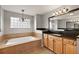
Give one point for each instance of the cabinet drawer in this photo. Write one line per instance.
(57, 39)
(68, 41)
(50, 37)
(45, 36)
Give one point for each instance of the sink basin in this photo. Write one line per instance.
(57, 34)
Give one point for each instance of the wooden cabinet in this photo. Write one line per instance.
(69, 49)
(50, 42)
(58, 45)
(69, 46)
(45, 40)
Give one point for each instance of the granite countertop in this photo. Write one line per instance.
(43, 29)
(63, 33)
(70, 33)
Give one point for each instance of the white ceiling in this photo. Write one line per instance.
(31, 9)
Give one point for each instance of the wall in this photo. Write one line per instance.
(45, 19)
(0, 18)
(8, 30)
(39, 21)
(1, 21)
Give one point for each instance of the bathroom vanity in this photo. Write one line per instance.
(60, 42)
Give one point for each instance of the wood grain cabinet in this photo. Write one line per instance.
(46, 40)
(58, 45)
(50, 42)
(69, 49)
(69, 46)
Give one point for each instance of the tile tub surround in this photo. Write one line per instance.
(17, 35)
(5, 37)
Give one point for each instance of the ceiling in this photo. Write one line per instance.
(31, 9)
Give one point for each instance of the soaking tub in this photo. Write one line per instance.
(20, 40)
(20, 44)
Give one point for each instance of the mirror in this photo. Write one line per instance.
(63, 24)
(68, 21)
(72, 25)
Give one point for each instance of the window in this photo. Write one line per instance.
(17, 23)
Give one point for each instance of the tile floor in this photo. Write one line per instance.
(39, 51)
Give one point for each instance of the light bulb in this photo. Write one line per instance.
(56, 13)
(65, 10)
(60, 11)
(71, 14)
(53, 14)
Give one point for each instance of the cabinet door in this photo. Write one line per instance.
(45, 40)
(69, 46)
(58, 45)
(69, 49)
(50, 42)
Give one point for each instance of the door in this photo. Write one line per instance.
(58, 45)
(69, 46)
(45, 40)
(69, 49)
(50, 42)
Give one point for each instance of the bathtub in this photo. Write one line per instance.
(21, 40)
(17, 45)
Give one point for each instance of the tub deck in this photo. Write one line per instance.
(27, 46)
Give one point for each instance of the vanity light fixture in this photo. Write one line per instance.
(62, 11)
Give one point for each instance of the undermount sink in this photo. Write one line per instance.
(57, 34)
